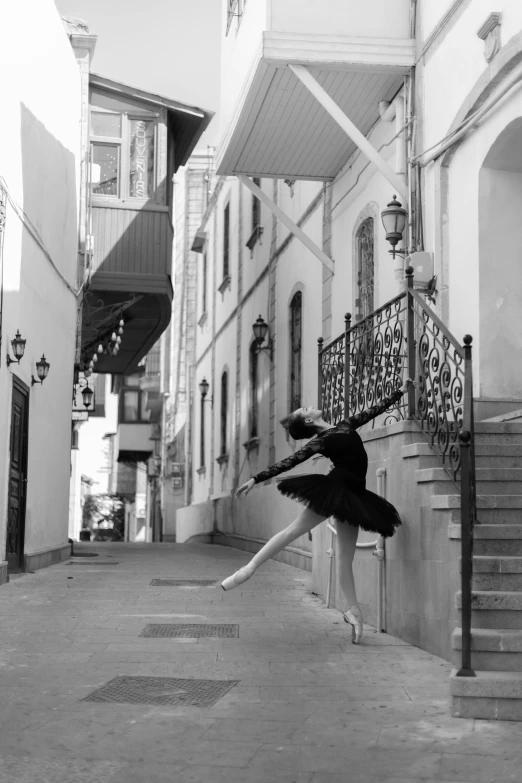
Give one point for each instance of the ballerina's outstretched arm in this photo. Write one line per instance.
(301, 455)
(365, 416)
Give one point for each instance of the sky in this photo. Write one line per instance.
(169, 47)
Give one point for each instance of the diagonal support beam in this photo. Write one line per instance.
(283, 217)
(350, 129)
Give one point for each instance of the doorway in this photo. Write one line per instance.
(17, 477)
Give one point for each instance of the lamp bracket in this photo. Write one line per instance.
(35, 380)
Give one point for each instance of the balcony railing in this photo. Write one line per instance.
(405, 338)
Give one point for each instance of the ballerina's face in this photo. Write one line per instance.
(310, 414)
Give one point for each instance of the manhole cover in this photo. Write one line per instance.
(85, 554)
(188, 582)
(72, 562)
(190, 631)
(162, 690)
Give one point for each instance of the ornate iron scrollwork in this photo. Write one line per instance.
(332, 380)
(440, 393)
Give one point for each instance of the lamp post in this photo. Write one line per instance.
(42, 370)
(203, 388)
(262, 332)
(18, 346)
(394, 221)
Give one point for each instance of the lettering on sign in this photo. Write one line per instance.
(142, 158)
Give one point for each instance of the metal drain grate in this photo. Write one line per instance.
(72, 562)
(162, 690)
(183, 582)
(85, 554)
(190, 631)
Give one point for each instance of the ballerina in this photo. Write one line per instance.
(341, 494)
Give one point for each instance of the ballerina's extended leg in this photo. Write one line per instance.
(347, 540)
(305, 522)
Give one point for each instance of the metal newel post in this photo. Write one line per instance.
(320, 342)
(465, 554)
(410, 335)
(347, 327)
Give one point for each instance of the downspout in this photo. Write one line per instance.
(380, 554)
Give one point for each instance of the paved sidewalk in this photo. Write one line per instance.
(309, 706)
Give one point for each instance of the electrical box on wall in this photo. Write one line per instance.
(422, 263)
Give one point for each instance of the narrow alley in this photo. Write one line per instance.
(291, 700)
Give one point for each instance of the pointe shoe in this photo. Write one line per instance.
(241, 576)
(354, 616)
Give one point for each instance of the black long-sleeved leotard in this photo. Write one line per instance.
(340, 444)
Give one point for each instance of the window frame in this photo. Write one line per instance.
(142, 396)
(295, 374)
(158, 196)
(224, 415)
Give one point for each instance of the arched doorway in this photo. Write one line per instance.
(500, 269)
(365, 269)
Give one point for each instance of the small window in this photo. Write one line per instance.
(130, 405)
(256, 207)
(365, 270)
(204, 285)
(105, 169)
(296, 318)
(123, 148)
(226, 242)
(133, 405)
(224, 412)
(253, 412)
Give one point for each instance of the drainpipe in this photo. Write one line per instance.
(330, 553)
(380, 553)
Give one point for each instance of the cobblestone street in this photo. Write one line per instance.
(307, 706)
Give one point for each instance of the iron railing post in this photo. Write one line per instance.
(347, 327)
(410, 336)
(467, 511)
(320, 373)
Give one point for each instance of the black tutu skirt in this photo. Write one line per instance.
(335, 495)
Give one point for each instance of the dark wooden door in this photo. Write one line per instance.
(17, 479)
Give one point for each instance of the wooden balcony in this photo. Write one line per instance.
(274, 127)
(130, 278)
(134, 442)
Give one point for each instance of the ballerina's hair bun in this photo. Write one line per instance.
(296, 426)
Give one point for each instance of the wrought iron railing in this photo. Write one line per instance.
(405, 338)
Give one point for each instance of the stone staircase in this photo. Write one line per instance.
(496, 692)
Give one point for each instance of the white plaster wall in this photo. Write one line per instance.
(374, 18)
(239, 53)
(39, 159)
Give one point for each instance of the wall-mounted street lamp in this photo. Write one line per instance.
(394, 221)
(18, 346)
(42, 370)
(87, 395)
(262, 332)
(203, 388)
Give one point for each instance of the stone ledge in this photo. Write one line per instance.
(492, 601)
(47, 557)
(490, 639)
(496, 685)
(483, 501)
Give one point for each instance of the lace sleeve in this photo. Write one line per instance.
(363, 418)
(311, 448)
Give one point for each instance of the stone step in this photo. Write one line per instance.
(510, 583)
(443, 502)
(492, 649)
(498, 438)
(490, 516)
(490, 695)
(495, 481)
(482, 564)
(493, 540)
(494, 609)
(494, 455)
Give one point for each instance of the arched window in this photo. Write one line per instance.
(365, 269)
(296, 317)
(253, 389)
(224, 412)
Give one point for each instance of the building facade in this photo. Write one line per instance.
(328, 121)
(86, 229)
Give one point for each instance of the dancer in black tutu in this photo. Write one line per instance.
(341, 494)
